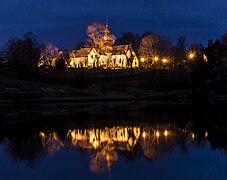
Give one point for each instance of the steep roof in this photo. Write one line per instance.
(116, 50)
(120, 49)
(82, 52)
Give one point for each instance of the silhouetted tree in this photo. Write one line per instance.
(60, 64)
(179, 52)
(137, 43)
(23, 53)
(224, 49)
(23, 148)
(215, 57)
(2, 56)
(66, 56)
(146, 33)
(79, 45)
(126, 39)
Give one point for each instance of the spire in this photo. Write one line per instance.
(108, 39)
(107, 31)
(106, 20)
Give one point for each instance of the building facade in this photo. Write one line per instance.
(109, 56)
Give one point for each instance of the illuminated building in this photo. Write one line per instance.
(109, 56)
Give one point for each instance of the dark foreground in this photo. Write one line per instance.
(120, 140)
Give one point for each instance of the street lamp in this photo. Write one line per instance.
(142, 62)
(191, 55)
(164, 60)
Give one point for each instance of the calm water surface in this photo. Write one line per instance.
(113, 141)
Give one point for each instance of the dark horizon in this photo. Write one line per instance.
(64, 23)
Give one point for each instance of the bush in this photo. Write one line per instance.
(60, 64)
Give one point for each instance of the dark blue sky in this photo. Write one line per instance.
(63, 22)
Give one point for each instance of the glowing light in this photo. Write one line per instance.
(144, 134)
(165, 133)
(156, 58)
(164, 60)
(206, 134)
(55, 136)
(205, 58)
(157, 134)
(73, 134)
(142, 59)
(191, 55)
(193, 135)
(42, 134)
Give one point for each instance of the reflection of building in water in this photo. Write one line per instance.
(104, 143)
(51, 143)
(94, 138)
(157, 143)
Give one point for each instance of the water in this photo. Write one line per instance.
(142, 140)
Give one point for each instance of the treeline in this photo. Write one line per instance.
(207, 65)
(154, 51)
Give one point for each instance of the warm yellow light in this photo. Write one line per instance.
(206, 134)
(155, 58)
(144, 134)
(73, 134)
(55, 136)
(42, 134)
(193, 135)
(165, 133)
(142, 59)
(157, 134)
(205, 58)
(164, 60)
(191, 55)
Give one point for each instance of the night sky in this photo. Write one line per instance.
(63, 22)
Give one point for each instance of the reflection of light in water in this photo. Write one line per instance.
(165, 133)
(157, 134)
(104, 143)
(144, 134)
(73, 135)
(206, 134)
(42, 135)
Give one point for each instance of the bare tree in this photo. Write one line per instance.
(149, 47)
(96, 35)
(95, 32)
(179, 52)
(48, 55)
(23, 53)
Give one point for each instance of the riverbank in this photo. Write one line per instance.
(84, 86)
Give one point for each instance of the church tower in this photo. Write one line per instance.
(108, 39)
